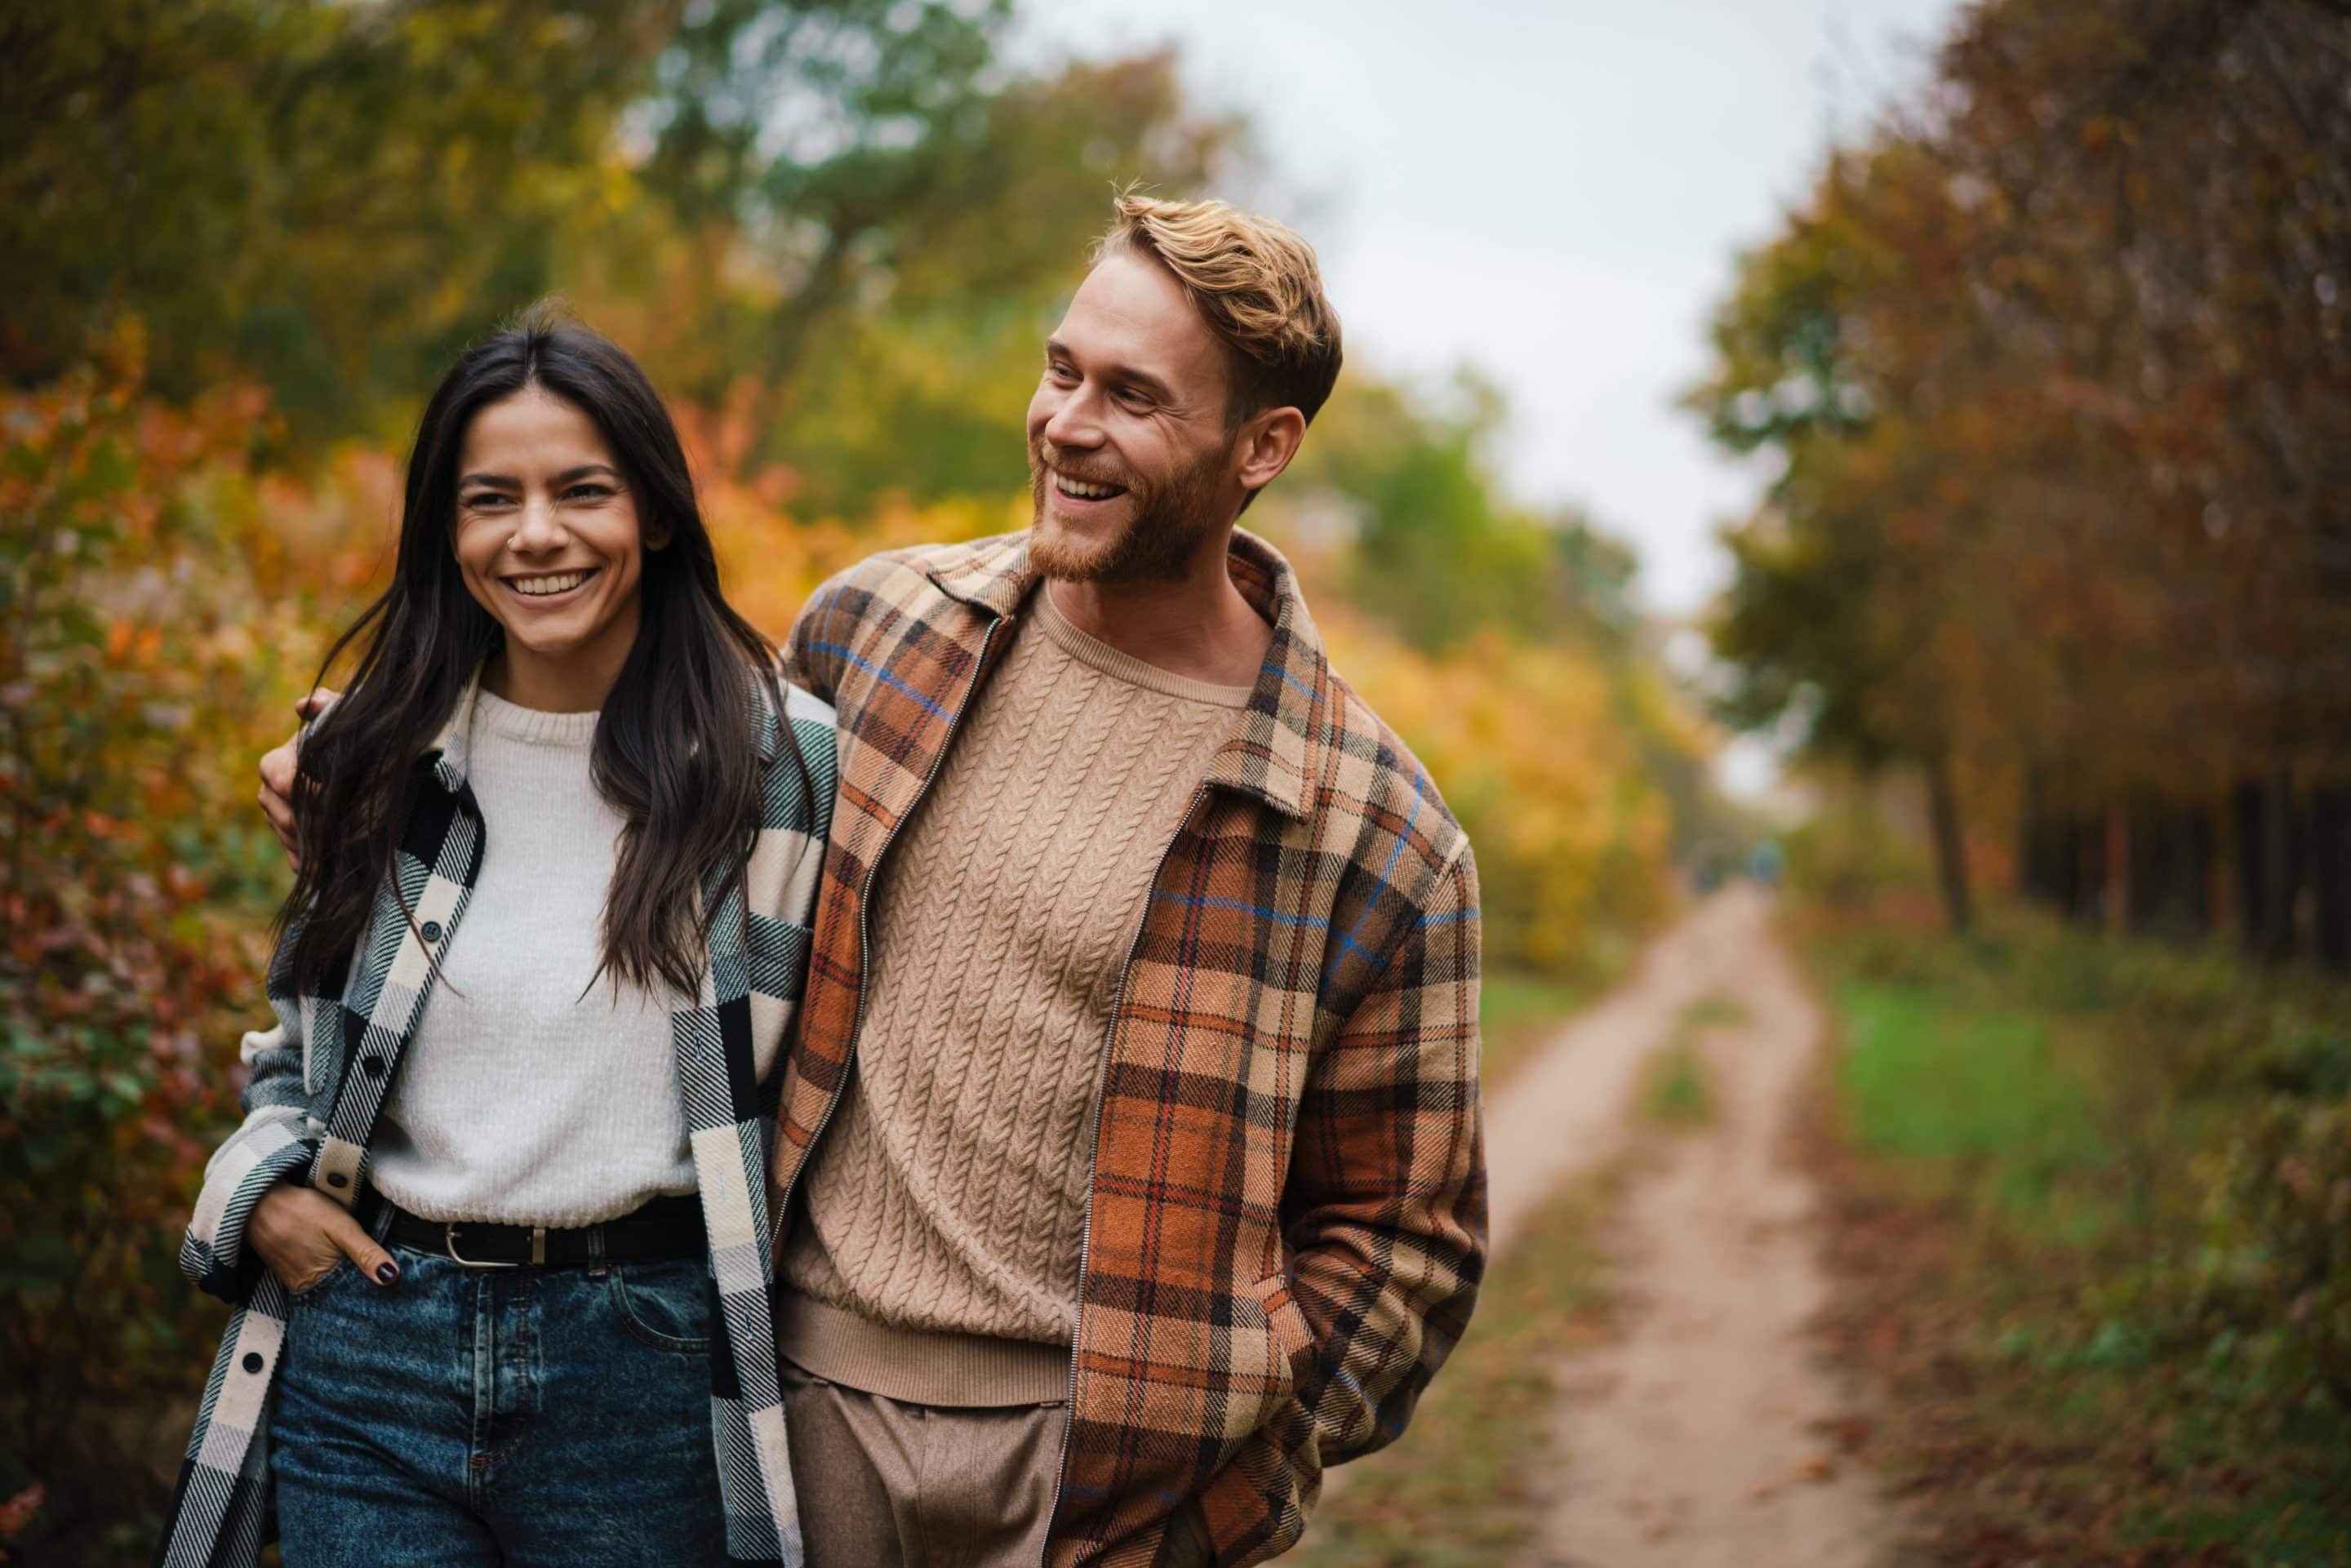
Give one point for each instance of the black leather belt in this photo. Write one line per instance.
(660, 1230)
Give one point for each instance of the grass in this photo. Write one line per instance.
(1676, 1091)
(1973, 1097)
(2020, 1138)
(1714, 1010)
(1460, 1487)
(1676, 1086)
(1518, 1011)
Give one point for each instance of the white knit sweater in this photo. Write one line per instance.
(529, 1097)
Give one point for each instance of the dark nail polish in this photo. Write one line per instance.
(386, 1272)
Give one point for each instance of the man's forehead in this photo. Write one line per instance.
(1133, 310)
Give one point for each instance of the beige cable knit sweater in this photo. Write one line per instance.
(944, 1208)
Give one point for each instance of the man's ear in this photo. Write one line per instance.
(1267, 443)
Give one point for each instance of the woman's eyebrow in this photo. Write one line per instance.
(570, 475)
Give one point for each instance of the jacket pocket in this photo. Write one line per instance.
(1293, 1338)
(1263, 1380)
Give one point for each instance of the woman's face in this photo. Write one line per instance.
(549, 541)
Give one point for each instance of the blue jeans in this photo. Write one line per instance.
(478, 1416)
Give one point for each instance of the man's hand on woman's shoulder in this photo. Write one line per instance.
(279, 772)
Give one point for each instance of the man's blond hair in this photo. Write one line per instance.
(1256, 283)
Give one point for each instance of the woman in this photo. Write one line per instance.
(504, 1167)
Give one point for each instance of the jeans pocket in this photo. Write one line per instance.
(343, 1268)
(664, 1305)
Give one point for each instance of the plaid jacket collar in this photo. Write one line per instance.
(1279, 749)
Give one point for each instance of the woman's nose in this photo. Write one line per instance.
(539, 528)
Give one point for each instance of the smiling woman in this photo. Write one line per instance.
(560, 734)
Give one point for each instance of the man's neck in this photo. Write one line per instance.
(1198, 625)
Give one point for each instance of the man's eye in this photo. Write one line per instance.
(1061, 373)
(1134, 397)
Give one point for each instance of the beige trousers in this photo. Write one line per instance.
(884, 1483)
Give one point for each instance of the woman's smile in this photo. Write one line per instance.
(547, 590)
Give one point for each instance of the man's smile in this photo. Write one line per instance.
(1085, 490)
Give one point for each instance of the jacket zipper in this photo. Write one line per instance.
(1093, 1167)
(864, 935)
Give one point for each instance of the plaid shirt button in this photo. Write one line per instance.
(253, 1361)
(432, 932)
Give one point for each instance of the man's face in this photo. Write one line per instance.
(1131, 458)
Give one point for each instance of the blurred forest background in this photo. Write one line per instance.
(2049, 600)
(238, 243)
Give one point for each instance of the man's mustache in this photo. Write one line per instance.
(1042, 457)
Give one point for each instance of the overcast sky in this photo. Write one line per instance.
(1552, 193)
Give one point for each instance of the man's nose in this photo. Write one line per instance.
(1075, 424)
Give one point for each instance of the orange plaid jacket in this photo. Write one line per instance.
(1287, 1219)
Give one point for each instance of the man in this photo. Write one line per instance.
(1128, 1151)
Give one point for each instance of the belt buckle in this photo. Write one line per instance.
(449, 1241)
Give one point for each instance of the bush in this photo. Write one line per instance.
(2280, 1254)
(134, 892)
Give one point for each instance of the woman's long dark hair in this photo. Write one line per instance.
(676, 752)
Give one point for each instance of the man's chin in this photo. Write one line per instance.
(1055, 551)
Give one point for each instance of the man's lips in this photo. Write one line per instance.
(1085, 492)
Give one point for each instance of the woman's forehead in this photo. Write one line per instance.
(535, 428)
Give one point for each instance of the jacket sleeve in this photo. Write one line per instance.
(1386, 1202)
(785, 865)
(274, 1142)
(813, 648)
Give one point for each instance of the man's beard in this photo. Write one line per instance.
(1165, 526)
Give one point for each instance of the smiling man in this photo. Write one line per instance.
(1132, 1142)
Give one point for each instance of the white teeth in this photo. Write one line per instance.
(561, 582)
(1081, 491)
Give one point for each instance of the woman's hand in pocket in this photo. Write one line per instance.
(302, 1235)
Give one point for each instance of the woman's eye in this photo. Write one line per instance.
(485, 499)
(587, 492)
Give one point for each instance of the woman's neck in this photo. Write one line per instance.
(578, 682)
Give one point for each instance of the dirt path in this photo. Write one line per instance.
(1695, 1440)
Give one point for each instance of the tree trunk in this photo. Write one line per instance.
(2034, 870)
(2151, 865)
(2089, 904)
(2277, 849)
(2245, 841)
(2195, 869)
(2266, 882)
(1950, 842)
(2330, 873)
